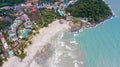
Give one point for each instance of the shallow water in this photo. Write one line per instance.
(67, 52)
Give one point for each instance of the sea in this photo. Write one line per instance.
(93, 47)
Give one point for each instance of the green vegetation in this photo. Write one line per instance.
(20, 30)
(20, 54)
(0, 43)
(2, 26)
(46, 17)
(3, 21)
(1, 62)
(10, 2)
(92, 10)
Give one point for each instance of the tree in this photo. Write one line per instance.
(94, 10)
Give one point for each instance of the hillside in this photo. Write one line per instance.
(92, 10)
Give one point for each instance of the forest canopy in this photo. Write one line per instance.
(10, 2)
(93, 10)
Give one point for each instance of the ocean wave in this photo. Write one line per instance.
(67, 53)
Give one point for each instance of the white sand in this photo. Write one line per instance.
(38, 42)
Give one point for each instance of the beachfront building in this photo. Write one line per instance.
(21, 19)
(12, 35)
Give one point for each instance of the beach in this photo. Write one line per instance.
(40, 47)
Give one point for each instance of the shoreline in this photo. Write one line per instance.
(39, 41)
(83, 26)
(55, 27)
(46, 39)
(95, 24)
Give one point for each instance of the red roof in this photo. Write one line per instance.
(15, 44)
(33, 8)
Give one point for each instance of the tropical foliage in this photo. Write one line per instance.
(10, 2)
(93, 10)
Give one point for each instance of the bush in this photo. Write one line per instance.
(22, 55)
(30, 42)
(1, 62)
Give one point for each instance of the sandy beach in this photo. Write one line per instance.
(40, 47)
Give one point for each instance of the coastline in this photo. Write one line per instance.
(105, 19)
(39, 43)
(77, 28)
(45, 39)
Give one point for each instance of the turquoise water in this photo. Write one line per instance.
(94, 47)
(102, 44)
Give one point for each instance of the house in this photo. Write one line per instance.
(55, 8)
(68, 18)
(12, 35)
(49, 7)
(33, 9)
(15, 44)
(26, 18)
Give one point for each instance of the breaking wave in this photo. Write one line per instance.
(67, 52)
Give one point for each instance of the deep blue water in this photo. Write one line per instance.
(102, 44)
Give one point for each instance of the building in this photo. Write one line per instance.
(33, 9)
